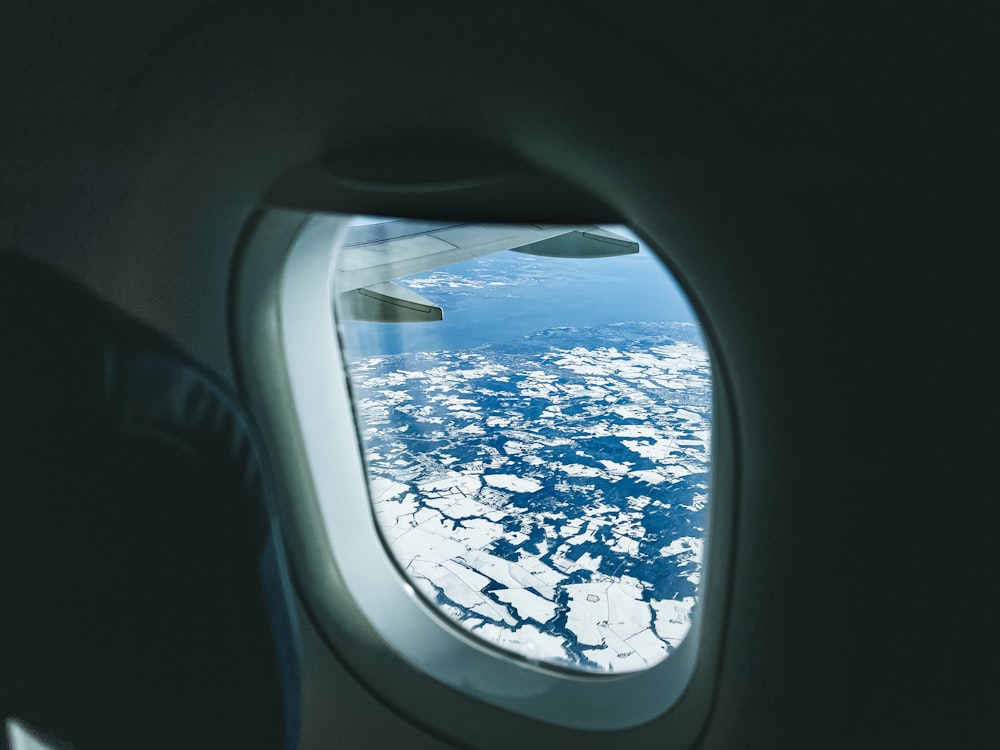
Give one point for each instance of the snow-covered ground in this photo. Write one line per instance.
(549, 498)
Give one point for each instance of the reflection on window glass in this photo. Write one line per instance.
(534, 404)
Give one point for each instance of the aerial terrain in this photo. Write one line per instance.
(544, 489)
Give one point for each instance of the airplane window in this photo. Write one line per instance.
(534, 406)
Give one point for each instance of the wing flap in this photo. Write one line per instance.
(387, 303)
(594, 243)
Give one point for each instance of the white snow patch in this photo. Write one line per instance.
(512, 483)
(527, 604)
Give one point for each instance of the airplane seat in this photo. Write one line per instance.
(144, 601)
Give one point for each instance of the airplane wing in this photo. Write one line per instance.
(375, 254)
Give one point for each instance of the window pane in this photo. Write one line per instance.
(536, 433)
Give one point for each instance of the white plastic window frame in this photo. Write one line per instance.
(402, 619)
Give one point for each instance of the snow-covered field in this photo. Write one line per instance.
(549, 497)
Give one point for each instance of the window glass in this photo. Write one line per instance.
(534, 405)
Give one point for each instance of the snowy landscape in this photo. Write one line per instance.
(548, 495)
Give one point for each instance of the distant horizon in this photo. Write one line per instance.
(503, 297)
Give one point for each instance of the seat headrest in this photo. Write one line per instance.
(146, 602)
